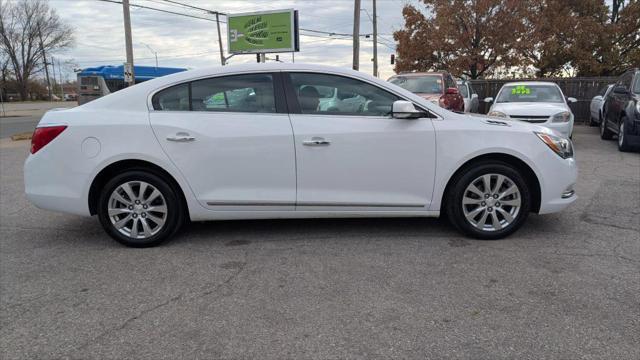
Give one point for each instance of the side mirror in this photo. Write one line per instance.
(620, 90)
(572, 100)
(488, 99)
(452, 91)
(405, 110)
(473, 96)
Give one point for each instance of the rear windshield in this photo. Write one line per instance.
(529, 93)
(427, 84)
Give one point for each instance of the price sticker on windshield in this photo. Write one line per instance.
(521, 90)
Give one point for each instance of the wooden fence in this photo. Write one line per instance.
(581, 88)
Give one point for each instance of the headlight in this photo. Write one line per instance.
(497, 114)
(564, 116)
(638, 107)
(561, 146)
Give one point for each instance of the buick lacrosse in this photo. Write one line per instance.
(269, 141)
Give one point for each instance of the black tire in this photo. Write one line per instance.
(605, 133)
(623, 140)
(173, 219)
(454, 206)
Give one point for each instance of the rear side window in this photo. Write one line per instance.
(175, 98)
(237, 93)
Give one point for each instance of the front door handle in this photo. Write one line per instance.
(181, 137)
(316, 141)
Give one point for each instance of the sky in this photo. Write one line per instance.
(187, 42)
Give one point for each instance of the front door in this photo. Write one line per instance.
(359, 158)
(231, 138)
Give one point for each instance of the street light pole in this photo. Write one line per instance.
(356, 35)
(129, 45)
(375, 40)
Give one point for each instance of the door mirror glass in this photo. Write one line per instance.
(620, 90)
(488, 99)
(402, 109)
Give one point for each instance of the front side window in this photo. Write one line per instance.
(426, 84)
(236, 93)
(529, 93)
(175, 98)
(331, 94)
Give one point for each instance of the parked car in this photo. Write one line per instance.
(438, 87)
(469, 95)
(622, 111)
(535, 102)
(595, 107)
(148, 157)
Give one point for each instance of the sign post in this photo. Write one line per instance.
(263, 32)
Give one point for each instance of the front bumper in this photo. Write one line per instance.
(558, 185)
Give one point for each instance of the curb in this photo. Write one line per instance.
(22, 136)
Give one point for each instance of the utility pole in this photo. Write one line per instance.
(129, 44)
(60, 77)
(46, 65)
(222, 60)
(375, 40)
(356, 35)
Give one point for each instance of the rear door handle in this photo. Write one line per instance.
(181, 137)
(316, 141)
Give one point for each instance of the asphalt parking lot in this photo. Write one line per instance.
(565, 286)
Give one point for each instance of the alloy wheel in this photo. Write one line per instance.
(491, 202)
(137, 209)
(621, 135)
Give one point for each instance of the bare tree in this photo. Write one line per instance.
(21, 25)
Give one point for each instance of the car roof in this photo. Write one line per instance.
(424, 73)
(530, 83)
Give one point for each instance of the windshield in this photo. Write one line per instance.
(428, 84)
(529, 93)
(636, 87)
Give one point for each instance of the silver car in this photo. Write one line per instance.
(469, 95)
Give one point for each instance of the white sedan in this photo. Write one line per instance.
(535, 102)
(595, 107)
(148, 158)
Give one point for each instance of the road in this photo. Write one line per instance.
(564, 287)
(23, 117)
(17, 125)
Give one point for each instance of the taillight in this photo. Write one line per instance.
(43, 135)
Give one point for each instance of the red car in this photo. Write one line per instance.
(438, 87)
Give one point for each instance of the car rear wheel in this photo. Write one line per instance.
(489, 201)
(605, 133)
(623, 142)
(139, 209)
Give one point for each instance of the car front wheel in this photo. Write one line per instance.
(139, 209)
(489, 201)
(623, 142)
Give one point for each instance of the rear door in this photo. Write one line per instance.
(361, 158)
(231, 137)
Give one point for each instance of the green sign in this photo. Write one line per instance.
(263, 32)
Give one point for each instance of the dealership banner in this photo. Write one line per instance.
(263, 32)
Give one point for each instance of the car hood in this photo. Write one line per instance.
(530, 109)
(507, 124)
